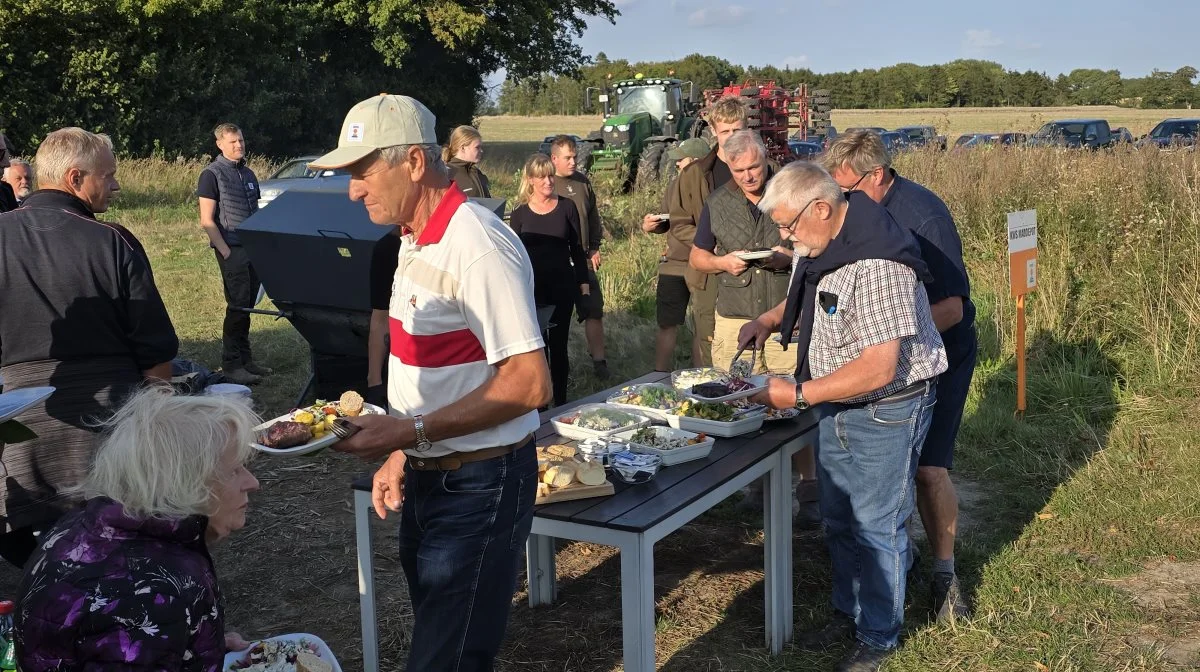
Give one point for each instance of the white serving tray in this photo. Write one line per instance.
(738, 427)
(570, 431)
(655, 413)
(322, 650)
(698, 451)
(314, 445)
(759, 383)
(755, 256)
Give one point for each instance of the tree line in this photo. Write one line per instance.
(961, 83)
(158, 75)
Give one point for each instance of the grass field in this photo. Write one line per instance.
(1080, 540)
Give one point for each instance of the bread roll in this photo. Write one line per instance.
(561, 450)
(351, 403)
(307, 662)
(590, 473)
(543, 490)
(560, 475)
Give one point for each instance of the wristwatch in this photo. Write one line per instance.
(423, 444)
(801, 403)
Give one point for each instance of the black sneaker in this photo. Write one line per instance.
(241, 377)
(864, 658)
(601, 367)
(948, 603)
(839, 630)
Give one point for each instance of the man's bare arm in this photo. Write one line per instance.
(208, 210)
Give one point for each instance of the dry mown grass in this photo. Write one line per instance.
(1096, 481)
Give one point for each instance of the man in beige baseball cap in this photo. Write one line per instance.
(466, 375)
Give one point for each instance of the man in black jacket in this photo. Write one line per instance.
(228, 192)
(8, 199)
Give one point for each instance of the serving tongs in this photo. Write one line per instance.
(737, 357)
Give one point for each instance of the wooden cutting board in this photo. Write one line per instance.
(576, 491)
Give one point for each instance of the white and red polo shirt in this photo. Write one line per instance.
(462, 301)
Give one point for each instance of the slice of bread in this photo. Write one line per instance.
(561, 450)
(307, 662)
(560, 475)
(351, 403)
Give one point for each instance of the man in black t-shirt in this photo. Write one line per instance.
(228, 192)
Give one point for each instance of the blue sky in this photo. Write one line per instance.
(1052, 36)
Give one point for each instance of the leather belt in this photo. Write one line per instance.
(905, 393)
(455, 460)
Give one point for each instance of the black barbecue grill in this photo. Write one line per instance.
(312, 251)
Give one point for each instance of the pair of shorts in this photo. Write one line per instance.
(595, 302)
(952, 388)
(671, 300)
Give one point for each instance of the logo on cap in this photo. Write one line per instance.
(355, 133)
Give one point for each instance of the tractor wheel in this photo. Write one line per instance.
(647, 169)
(666, 167)
(583, 157)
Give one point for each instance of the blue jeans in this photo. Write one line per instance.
(867, 460)
(462, 537)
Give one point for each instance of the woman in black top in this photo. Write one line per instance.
(549, 228)
(462, 155)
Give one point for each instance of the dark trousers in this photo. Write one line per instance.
(556, 349)
(241, 288)
(462, 537)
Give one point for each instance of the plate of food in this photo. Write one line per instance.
(307, 430)
(16, 402)
(755, 255)
(652, 399)
(731, 389)
(286, 653)
(674, 446)
(590, 420)
(716, 419)
(781, 414)
(685, 379)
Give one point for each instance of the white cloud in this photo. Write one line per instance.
(727, 15)
(981, 39)
(796, 61)
(1025, 45)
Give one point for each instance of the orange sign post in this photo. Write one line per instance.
(1022, 272)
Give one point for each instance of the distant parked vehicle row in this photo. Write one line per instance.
(923, 136)
(972, 140)
(1172, 132)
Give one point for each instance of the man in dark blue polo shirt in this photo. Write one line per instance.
(858, 161)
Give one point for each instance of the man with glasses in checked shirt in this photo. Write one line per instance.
(868, 354)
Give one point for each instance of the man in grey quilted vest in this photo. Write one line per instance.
(228, 192)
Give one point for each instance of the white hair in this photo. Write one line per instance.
(798, 184)
(740, 142)
(21, 162)
(69, 148)
(161, 453)
(398, 154)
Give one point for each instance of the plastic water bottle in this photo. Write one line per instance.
(8, 654)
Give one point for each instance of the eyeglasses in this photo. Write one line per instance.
(860, 179)
(792, 226)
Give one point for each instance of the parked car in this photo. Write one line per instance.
(1121, 135)
(923, 136)
(1174, 132)
(895, 142)
(1074, 133)
(544, 147)
(806, 149)
(971, 140)
(296, 172)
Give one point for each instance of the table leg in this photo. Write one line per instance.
(366, 581)
(777, 524)
(541, 571)
(637, 604)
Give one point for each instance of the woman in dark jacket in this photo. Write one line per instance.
(127, 582)
(549, 228)
(463, 154)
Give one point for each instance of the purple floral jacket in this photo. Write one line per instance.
(110, 592)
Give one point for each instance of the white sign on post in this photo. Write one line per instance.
(1022, 251)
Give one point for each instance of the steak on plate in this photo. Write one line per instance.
(287, 434)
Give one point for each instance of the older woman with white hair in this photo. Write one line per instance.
(127, 582)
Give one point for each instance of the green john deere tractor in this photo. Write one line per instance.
(643, 117)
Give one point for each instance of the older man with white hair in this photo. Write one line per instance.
(18, 175)
(81, 313)
(869, 355)
(465, 379)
